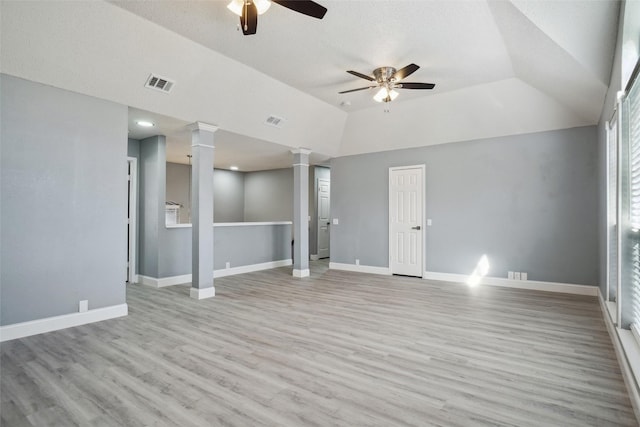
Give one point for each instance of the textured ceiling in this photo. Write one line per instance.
(500, 67)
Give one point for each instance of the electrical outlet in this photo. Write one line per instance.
(357, 262)
(227, 265)
(516, 275)
(83, 306)
(510, 275)
(523, 276)
(335, 221)
(429, 222)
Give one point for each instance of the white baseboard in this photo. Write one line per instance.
(301, 273)
(251, 268)
(164, 281)
(360, 268)
(48, 324)
(186, 278)
(314, 257)
(533, 285)
(628, 354)
(197, 293)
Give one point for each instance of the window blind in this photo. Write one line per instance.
(633, 99)
(612, 207)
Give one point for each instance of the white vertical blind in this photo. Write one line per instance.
(612, 207)
(633, 99)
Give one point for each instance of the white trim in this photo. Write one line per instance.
(423, 259)
(186, 278)
(251, 268)
(567, 288)
(244, 224)
(301, 273)
(314, 257)
(197, 293)
(203, 126)
(133, 218)
(178, 225)
(628, 355)
(164, 281)
(48, 324)
(233, 224)
(203, 146)
(301, 151)
(386, 271)
(301, 164)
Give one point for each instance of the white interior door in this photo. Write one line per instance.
(324, 208)
(406, 228)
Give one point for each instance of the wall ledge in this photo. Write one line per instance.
(49, 324)
(233, 224)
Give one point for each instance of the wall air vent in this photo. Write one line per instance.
(162, 84)
(274, 121)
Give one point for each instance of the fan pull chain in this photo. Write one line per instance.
(246, 16)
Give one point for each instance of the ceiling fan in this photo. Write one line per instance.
(248, 10)
(388, 79)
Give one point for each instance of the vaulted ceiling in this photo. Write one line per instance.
(500, 67)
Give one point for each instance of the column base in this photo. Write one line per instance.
(197, 293)
(301, 273)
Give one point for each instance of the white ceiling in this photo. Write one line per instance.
(500, 67)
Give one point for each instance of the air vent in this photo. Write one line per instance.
(162, 84)
(274, 121)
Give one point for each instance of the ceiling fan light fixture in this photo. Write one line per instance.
(262, 5)
(384, 94)
(236, 6)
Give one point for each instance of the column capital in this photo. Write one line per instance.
(203, 126)
(301, 151)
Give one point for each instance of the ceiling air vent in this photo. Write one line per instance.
(274, 121)
(162, 84)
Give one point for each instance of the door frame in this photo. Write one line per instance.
(133, 217)
(423, 258)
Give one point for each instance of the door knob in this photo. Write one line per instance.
(417, 227)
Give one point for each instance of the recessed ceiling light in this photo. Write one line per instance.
(144, 123)
(234, 168)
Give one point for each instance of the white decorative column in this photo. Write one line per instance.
(202, 151)
(301, 212)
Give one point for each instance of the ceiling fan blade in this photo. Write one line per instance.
(406, 71)
(306, 7)
(249, 19)
(415, 85)
(362, 76)
(355, 90)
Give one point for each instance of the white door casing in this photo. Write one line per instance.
(132, 216)
(406, 220)
(324, 221)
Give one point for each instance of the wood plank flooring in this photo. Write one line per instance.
(337, 348)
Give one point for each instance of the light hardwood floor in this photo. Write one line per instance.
(338, 348)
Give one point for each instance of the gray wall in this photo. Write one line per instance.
(315, 173)
(151, 215)
(268, 195)
(228, 196)
(239, 245)
(529, 202)
(178, 177)
(63, 197)
(228, 193)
